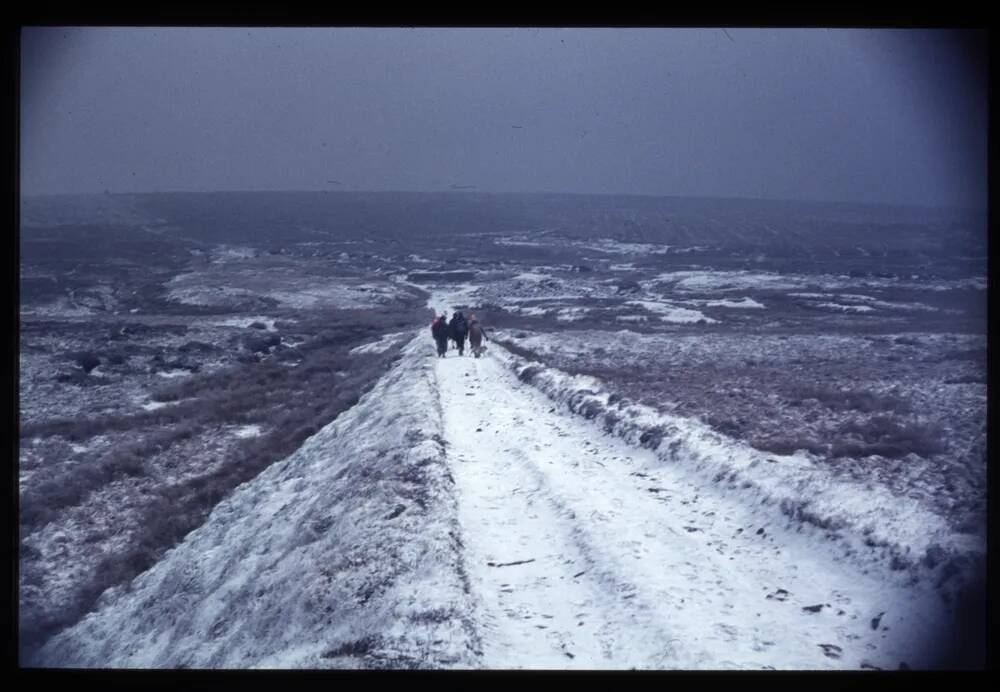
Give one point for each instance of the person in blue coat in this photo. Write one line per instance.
(440, 332)
(459, 328)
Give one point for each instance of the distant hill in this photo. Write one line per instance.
(776, 229)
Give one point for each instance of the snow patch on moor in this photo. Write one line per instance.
(171, 374)
(745, 302)
(727, 280)
(245, 431)
(672, 313)
(532, 276)
(268, 322)
(845, 308)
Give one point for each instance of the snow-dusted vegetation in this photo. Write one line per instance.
(105, 491)
(344, 554)
(904, 411)
(891, 523)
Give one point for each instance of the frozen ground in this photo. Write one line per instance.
(464, 521)
(718, 437)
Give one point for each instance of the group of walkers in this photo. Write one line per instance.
(456, 330)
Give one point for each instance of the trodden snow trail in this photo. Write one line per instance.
(586, 552)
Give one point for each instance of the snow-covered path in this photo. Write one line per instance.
(457, 517)
(585, 552)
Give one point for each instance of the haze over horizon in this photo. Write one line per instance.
(893, 117)
(541, 193)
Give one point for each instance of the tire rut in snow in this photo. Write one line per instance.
(558, 603)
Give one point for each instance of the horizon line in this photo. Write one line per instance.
(452, 191)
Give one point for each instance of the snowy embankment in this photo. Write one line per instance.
(382, 344)
(870, 526)
(345, 554)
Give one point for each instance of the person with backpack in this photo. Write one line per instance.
(476, 335)
(440, 331)
(459, 328)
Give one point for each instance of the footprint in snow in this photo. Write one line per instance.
(831, 650)
(397, 510)
(728, 631)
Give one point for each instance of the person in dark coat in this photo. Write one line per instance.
(459, 328)
(440, 332)
(476, 335)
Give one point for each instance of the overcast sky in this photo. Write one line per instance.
(843, 115)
